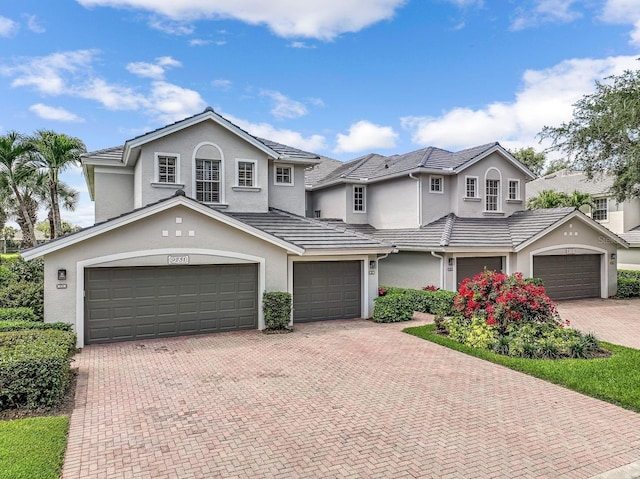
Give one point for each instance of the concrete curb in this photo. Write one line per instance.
(630, 471)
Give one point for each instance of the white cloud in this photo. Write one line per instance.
(286, 18)
(8, 27)
(222, 84)
(54, 113)
(545, 98)
(545, 11)
(34, 25)
(624, 12)
(301, 45)
(112, 97)
(285, 136)
(171, 28)
(467, 3)
(172, 102)
(197, 42)
(283, 106)
(155, 70)
(221, 43)
(364, 136)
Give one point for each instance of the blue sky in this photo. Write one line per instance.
(338, 77)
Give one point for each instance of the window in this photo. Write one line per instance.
(359, 199)
(471, 187)
(284, 175)
(246, 173)
(436, 184)
(492, 195)
(166, 168)
(514, 189)
(600, 209)
(208, 181)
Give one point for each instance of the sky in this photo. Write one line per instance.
(340, 78)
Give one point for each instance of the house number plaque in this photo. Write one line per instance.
(178, 260)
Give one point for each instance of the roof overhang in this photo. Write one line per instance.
(102, 228)
(367, 181)
(348, 252)
(497, 149)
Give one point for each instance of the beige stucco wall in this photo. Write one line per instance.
(113, 192)
(289, 198)
(409, 269)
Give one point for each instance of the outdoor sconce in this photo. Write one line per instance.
(62, 275)
(452, 261)
(613, 256)
(372, 264)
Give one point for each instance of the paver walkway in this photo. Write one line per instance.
(343, 399)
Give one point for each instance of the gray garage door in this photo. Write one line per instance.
(326, 290)
(123, 304)
(469, 267)
(569, 277)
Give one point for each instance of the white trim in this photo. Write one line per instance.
(518, 195)
(364, 198)
(82, 265)
(604, 262)
(156, 167)
(477, 187)
(110, 170)
(50, 247)
(194, 157)
(500, 186)
(436, 177)
(275, 174)
(254, 173)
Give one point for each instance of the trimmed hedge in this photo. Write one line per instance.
(22, 325)
(276, 306)
(35, 367)
(18, 294)
(628, 284)
(17, 314)
(399, 304)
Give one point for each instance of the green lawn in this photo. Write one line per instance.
(33, 448)
(615, 379)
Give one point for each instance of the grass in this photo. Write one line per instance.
(33, 448)
(614, 379)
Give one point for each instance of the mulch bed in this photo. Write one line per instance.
(64, 409)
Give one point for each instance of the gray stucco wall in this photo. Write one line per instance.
(289, 198)
(113, 193)
(331, 202)
(631, 214)
(393, 203)
(409, 269)
(629, 258)
(436, 205)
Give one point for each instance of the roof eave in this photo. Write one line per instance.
(496, 148)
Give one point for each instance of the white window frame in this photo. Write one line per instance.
(475, 187)
(441, 183)
(220, 181)
(254, 183)
(486, 196)
(156, 167)
(364, 199)
(606, 210)
(517, 182)
(275, 175)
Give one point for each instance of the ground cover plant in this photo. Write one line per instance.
(33, 448)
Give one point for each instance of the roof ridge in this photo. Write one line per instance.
(426, 156)
(448, 229)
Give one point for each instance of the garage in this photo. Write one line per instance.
(325, 290)
(124, 304)
(569, 276)
(469, 267)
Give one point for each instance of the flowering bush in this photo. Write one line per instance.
(503, 300)
(430, 288)
(382, 291)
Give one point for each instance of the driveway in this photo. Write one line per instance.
(336, 399)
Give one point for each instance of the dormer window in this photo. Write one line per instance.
(246, 173)
(167, 168)
(514, 189)
(359, 199)
(283, 175)
(436, 184)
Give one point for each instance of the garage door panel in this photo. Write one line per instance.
(326, 290)
(569, 276)
(169, 301)
(469, 267)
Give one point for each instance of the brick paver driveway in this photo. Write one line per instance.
(340, 399)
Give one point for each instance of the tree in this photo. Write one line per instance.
(8, 233)
(557, 165)
(17, 173)
(557, 199)
(604, 133)
(530, 158)
(55, 153)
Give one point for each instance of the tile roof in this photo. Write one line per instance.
(320, 170)
(632, 236)
(307, 233)
(567, 181)
(375, 166)
(112, 154)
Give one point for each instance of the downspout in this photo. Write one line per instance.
(441, 258)
(419, 198)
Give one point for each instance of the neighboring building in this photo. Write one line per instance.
(194, 221)
(621, 218)
(452, 214)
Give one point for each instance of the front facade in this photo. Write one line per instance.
(194, 222)
(454, 214)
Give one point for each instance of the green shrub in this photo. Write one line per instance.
(32, 271)
(393, 307)
(439, 303)
(35, 367)
(21, 325)
(17, 314)
(6, 276)
(628, 284)
(546, 341)
(26, 294)
(276, 306)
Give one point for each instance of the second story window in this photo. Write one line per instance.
(246, 173)
(436, 184)
(600, 209)
(471, 187)
(492, 195)
(359, 199)
(283, 175)
(208, 181)
(166, 168)
(514, 189)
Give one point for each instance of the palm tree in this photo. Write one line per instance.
(579, 199)
(55, 152)
(547, 199)
(17, 173)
